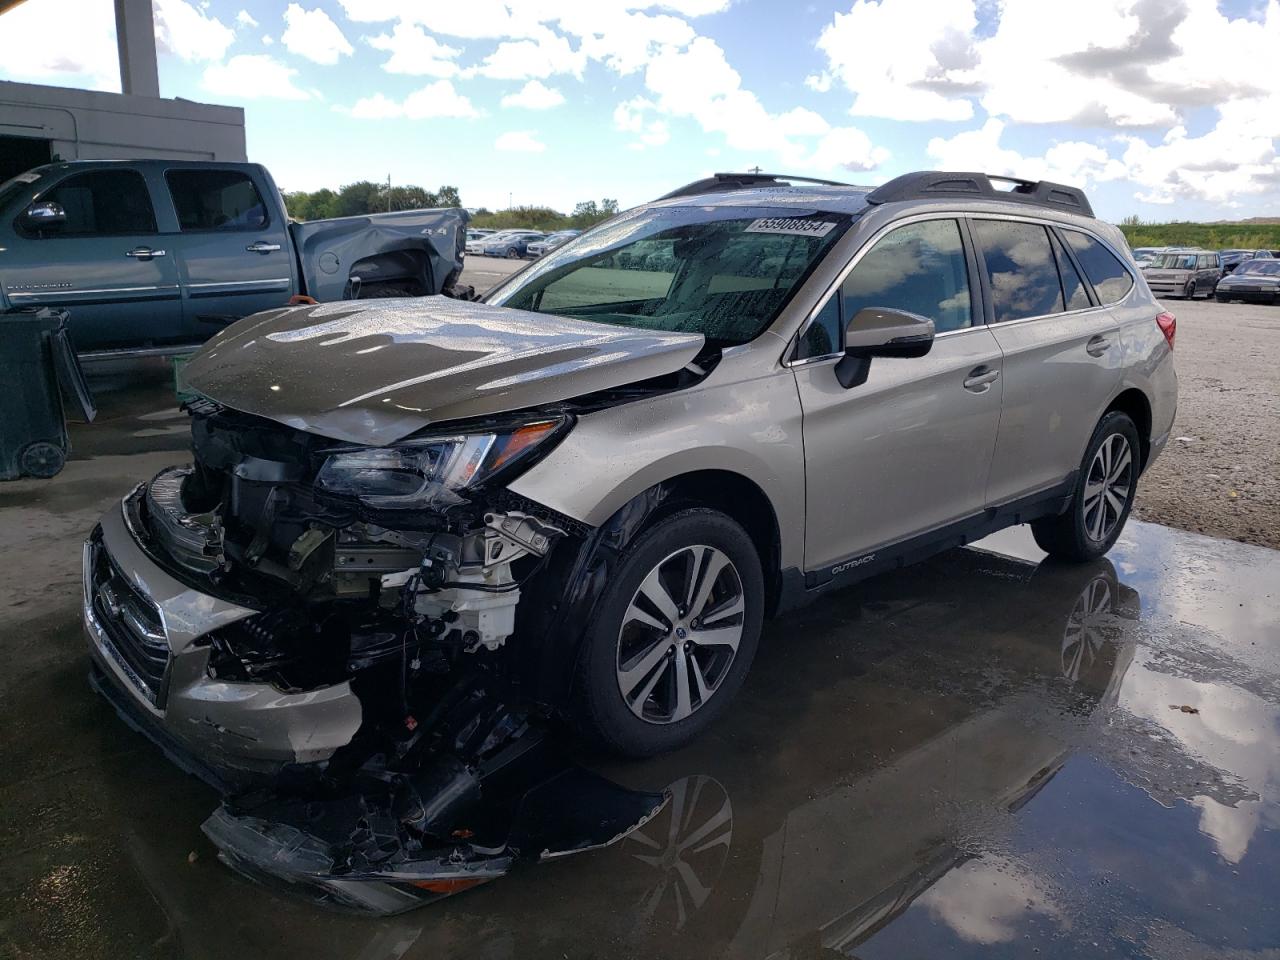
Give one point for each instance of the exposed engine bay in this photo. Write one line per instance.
(452, 774)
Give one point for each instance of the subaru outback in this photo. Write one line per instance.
(592, 486)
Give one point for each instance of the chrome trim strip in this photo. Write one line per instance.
(75, 293)
(247, 284)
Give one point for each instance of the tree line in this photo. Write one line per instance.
(1208, 236)
(365, 196)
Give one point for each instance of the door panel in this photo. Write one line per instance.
(1061, 369)
(235, 257)
(107, 265)
(905, 452)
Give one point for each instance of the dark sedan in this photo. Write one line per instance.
(1254, 281)
(1231, 259)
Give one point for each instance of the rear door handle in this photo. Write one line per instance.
(1097, 346)
(144, 253)
(262, 247)
(980, 379)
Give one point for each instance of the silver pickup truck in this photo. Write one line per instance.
(158, 253)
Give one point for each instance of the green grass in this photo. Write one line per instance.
(1210, 236)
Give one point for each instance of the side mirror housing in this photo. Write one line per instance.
(881, 332)
(43, 214)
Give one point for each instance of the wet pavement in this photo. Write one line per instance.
(984, 755)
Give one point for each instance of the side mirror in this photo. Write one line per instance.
(44, 213)
(881, 332)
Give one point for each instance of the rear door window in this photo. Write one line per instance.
(1021, 269)
(1110, 278)
(101, 203)
(216, 200)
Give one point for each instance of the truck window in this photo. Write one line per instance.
(99, 204)
(216, 200)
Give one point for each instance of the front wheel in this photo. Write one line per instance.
(1103, 497)
(674, 634)
(1189, 291)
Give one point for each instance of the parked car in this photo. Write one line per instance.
(166, 252)
(513, 245)
(551, 241)
(1183, 273)
(1143, 255)
(602, 478)
(476, 239)
(1231, 259)
(1254, 281)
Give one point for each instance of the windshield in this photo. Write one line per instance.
(725, 272)
(16, 185)
(1175, 261)
(1268, 267)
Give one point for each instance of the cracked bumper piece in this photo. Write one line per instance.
(147, 633)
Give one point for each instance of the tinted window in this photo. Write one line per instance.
(102, 203)
(822, 337)
(919, 268)
(1020, 268)
(216, 200)
(1077, 298)
(1107, 274)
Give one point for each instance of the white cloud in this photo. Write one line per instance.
(249, 76)
(988, 901)
(85, 55)
(188, 33)
(1070, 162)
(267, 40)
(847, 148)
(543, 55)
(818, 82)
(903, 60)
(519, 141)
(534, 95)
(415, 52)
(245, 19)
(434, 101)
(312, 34)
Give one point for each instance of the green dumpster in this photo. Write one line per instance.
(37, 363)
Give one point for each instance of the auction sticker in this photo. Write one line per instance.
(789, 225)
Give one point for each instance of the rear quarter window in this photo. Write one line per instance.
(1110, 278)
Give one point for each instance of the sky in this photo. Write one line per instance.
(1164, 109)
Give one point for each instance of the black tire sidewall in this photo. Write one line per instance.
(1113, 423)
(602, 712)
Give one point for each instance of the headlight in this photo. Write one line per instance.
(429, 472)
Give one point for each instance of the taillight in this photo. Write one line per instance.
(1168, 325)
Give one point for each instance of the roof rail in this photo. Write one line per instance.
(720, 182)
(925, 184)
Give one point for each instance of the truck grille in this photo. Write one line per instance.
(131, 630)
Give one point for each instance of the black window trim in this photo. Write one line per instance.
(214, 168)
(21, 230)
(790, 355)
(1133, 282)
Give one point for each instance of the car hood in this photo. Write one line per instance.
(375, 371)
(1259, 279)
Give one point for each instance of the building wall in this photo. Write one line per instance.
(90, 125)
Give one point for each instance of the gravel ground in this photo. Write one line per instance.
(1220, 474)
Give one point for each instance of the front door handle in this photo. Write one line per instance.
(262, 247)
(144, 253)
(980, 379)
(1097, 346)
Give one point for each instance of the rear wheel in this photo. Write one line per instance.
(513, 254)
(674, 634)
(1103, 497)
(1189, 291)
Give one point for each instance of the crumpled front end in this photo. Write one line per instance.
(325, 633)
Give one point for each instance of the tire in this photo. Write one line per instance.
(1082, 533)
(1189, 291)
(513, 254)
(41, 459)
(630, 643)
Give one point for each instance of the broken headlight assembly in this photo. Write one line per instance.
(432, 471)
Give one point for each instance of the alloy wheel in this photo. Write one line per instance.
(1108, 487)
(680, 634)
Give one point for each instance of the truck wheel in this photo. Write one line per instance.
(673, 636)
(41, 459)
(1103, 497)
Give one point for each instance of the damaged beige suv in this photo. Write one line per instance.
(588, 490)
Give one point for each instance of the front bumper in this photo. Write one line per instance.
(148, 637)
(1253, 295)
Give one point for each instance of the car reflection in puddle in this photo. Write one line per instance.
(976, 756)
